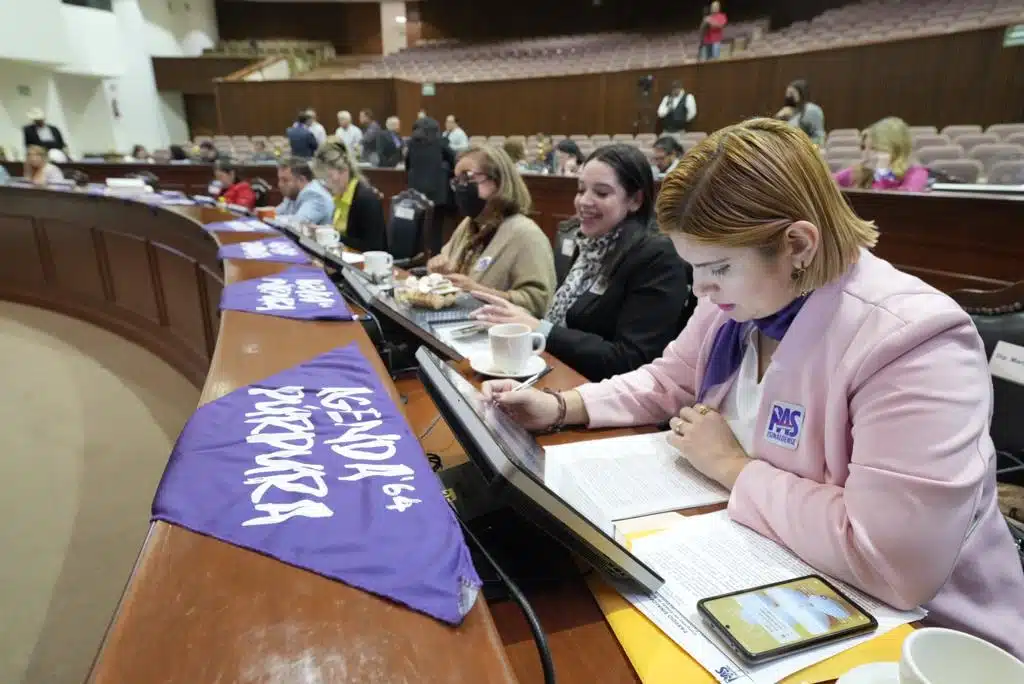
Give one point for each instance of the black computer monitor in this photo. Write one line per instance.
(512, 464)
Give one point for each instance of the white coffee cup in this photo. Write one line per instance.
(944, 656)
(326, 236)
(378, 265)
(512, 345)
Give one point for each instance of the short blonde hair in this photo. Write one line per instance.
(335, 154)
(512, 196)
(743, 185)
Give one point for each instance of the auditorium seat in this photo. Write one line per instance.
(1007, 173)
(844, 133)
(966, 170)
(930, 140)
(842, 141)
(622, 137)
(971, 140)
(1015, 138)
(932, 153)
(923, 130)
(1006, 129)
(843, 153)
(990, 154)
(696, 136)
(953, 131)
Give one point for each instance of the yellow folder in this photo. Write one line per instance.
(659, 660)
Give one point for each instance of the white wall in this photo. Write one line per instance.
(392, 33)
(84, 61)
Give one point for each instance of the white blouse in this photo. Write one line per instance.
(741, 404)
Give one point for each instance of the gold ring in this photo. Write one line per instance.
(702, 409)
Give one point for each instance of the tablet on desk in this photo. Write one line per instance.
(511, 463)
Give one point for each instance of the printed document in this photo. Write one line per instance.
(707, 555)
(626, 477)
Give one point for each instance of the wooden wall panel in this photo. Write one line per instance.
(408, 101)
(184, 305)
(18, 240)
(353, 27)
(941, 80)
(131, 274)
(76, 262)
(201, 115)
(269, 107)
(194, 75)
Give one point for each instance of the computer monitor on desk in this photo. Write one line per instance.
(512, 467)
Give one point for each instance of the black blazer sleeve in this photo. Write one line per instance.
(366, 228)
(654, 288)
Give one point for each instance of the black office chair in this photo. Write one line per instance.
(261, 189)
(999, 316)
(411, 215)
(565, 248)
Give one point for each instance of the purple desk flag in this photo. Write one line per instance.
(240, 225)
(316, 467)
(270, 249)
(304, 293)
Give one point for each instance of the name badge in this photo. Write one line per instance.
(568, 247)
(599, 287)
(1007, 362)
(785, 424)
(483, 263)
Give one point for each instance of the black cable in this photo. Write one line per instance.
(539, 638)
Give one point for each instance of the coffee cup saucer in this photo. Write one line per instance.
(483, 364)
(872, 673)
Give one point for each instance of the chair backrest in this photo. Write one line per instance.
(962, 170)
(930, 140)
(960, 129)
(1007, 173)
(843, 153)
(411, 214)
(841, 141)
(927, 155)
(1015, 138)
(261, 189)
(919, 130)
(1007, 129)
(844, 133)
(969, 141)
(990, 154)
(564, 247)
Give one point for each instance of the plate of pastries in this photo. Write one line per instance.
(432, 291)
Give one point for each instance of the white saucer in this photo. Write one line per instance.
(483, 365)
(872, 673)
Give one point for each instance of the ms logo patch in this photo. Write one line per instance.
(784, 425)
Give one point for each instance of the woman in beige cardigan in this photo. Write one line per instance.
(497, 249)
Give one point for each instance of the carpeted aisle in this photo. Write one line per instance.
(87, 421)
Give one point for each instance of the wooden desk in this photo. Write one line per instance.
(198, 610)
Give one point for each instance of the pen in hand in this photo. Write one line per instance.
(532, 380)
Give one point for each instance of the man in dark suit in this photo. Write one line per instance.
(677, 109)
(301, 138)
(390, 146)
(42, 134)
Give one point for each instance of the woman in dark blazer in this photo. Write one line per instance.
(358, 213)
(627, 293)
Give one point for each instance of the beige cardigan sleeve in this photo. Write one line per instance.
(531, 276)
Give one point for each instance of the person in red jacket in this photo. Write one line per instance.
(711, 32)
(235, 189)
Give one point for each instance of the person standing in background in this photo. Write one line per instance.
(301, 138)
(390, 146)
(316, 128)
(347, 132)
(456, 137)
(711, 30)
(371, 130)
(800, 112)
(43, 134)
(677, 109)
(429, 163)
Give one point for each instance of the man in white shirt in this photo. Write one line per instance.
(348, 133)
(677, 109)
(667, 152)
(316, 128)
(457, 138)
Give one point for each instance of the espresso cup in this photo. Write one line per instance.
(512, 345)
(378, 266)
(944, 656)
(326, 236)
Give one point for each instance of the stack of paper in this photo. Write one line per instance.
(706, 555)
(625, 477)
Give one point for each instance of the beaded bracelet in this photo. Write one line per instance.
(560, 420)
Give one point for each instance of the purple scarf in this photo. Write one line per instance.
(728, 348)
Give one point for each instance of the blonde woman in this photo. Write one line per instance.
(497, 249)
(886, 163)
(844, 403)
(38, 168)
(358, 213)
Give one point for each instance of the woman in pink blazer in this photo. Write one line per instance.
(844, 403)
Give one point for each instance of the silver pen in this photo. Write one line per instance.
(532, 380)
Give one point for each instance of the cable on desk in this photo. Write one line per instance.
(386, 347)
(539, 638)
(430, 428)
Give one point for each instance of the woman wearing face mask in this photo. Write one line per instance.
(886, 163)
(626, 294)
(496, 251)
(844, 403)
(801, 113)
(358, 214)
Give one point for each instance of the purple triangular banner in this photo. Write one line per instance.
(304, 293)
(316, 467)
(269, 249)
(240, 225)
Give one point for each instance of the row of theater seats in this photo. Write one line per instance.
(963, 151)
(866, 22)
